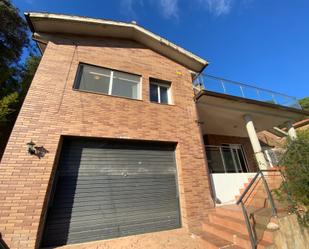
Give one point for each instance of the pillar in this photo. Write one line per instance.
(259, 155)
(291, 131)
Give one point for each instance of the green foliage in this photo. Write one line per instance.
(27, 74)
(304, 103)
(11, 102)
(15, 77)
(13, 38)
(296, 172)
(6, 103)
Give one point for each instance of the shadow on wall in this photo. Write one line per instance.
(5, 132)
(3, 245)
(61, 202)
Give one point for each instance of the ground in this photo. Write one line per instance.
(178, 238)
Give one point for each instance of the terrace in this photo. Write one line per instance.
(245, 91)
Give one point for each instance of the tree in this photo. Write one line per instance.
(13, 38)
(304, 103)
(15, 76)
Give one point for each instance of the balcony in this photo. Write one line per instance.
(236, 89)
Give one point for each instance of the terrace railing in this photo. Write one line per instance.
(233, 88)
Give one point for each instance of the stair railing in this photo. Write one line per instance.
(241, 202)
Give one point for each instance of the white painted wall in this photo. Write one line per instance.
(227, 186)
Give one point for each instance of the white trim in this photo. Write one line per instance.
(140, 89)
(111, 80)
(110, 87)
(58, 23)
(159, 84)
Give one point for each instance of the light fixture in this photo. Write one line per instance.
(30, 147)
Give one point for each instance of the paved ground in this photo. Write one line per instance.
(173, 239)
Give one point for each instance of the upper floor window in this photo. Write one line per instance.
(160, 91)
(107, 81)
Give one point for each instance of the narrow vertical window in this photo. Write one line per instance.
(159, 92)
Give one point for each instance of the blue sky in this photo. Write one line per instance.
(259, 42)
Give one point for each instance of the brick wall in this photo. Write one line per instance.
(212, 139)
(52, 109)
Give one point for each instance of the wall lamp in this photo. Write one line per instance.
(30, 148)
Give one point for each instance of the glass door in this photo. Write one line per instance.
(234, 158)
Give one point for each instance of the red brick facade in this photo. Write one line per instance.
(53, 109)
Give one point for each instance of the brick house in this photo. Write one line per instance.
(129, 139)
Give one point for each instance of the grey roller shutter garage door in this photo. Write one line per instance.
(107, 188)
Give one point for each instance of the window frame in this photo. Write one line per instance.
(243, 152)
(161, 83)
(78, 76)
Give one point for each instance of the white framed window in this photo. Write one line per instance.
(107, 81)
(160, 91)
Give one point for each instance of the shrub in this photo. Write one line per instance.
(295, 190)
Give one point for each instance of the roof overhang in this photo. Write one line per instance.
(224, 114)
(47, 23)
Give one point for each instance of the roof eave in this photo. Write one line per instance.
(168, 49)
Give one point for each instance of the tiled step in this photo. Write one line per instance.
(229, 222)
(259, 193)
(230, 211)
(233, 236)
(235, 211)
(259, 187)
(212, 241)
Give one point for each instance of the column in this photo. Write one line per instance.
(291, 130)
(259, 155)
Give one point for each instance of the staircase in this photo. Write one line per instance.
(226, 228)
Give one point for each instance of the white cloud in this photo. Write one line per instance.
(169, 8)
(218, 7)
(127, 6)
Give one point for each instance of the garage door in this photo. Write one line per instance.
(106, 189)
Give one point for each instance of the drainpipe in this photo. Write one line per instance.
(291, 131)
(259, 155)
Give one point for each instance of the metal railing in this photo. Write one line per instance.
(220, 85)
(259, 212)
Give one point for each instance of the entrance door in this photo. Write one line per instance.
(234, 158)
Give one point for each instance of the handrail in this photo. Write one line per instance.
(252, 182)
(240, 201)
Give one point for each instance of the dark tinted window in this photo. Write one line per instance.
(103, 80)
(154, 97)
(159, 91)
(94, 79)
(163, 95)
